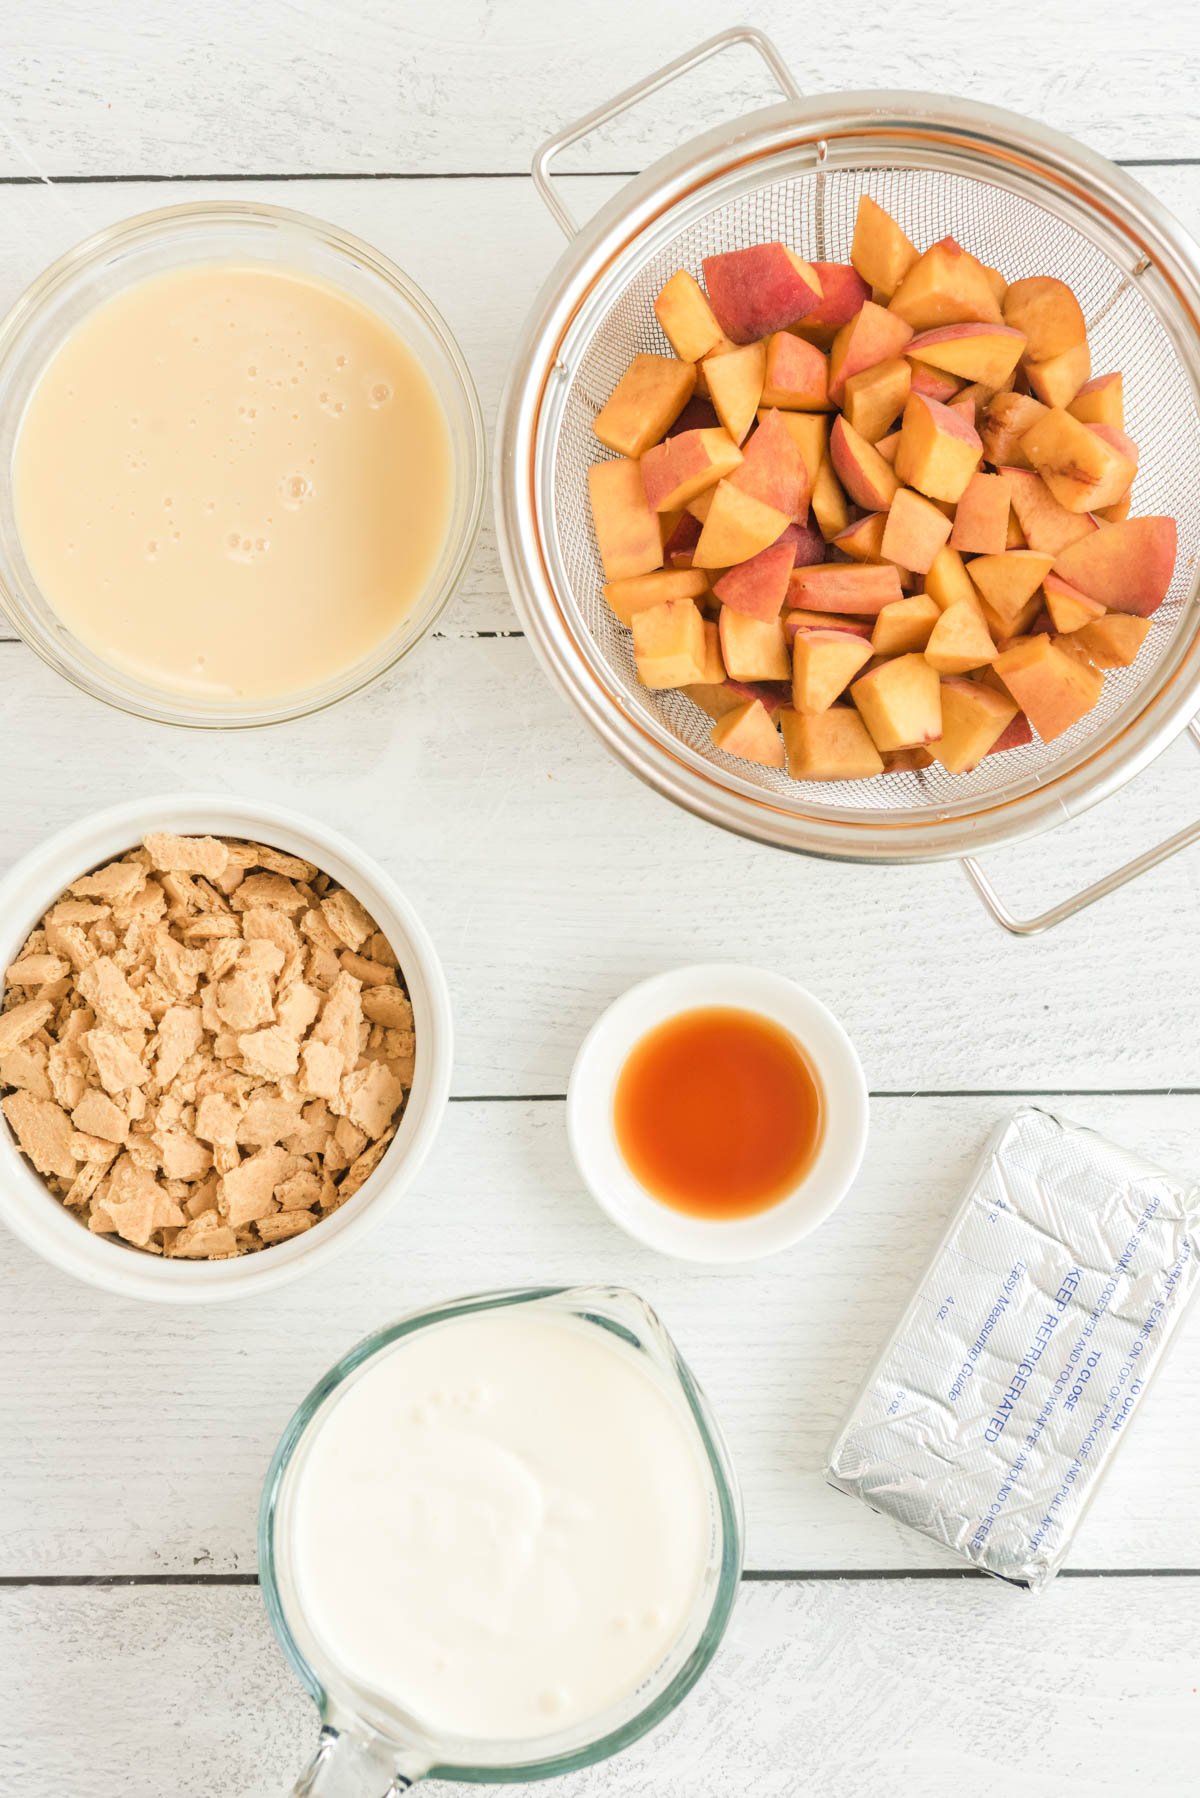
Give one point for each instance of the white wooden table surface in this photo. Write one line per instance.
(135, 1657)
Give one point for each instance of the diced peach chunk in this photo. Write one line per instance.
(680, 541)
(947, 581)
(1126, 566)
(713, 671)
(904, 626)
(674, 472)
(809, 431)
(900, 703)
(1008, 582)
(1078, 463)
(796, 376)
(843, 293)
(914, 532)
(807, 543)
(874, 398)
(829, 506)
(825, 621)
(773, 469)
(1112, 641)
(1057, 381)
(762, 288)
(973, 719)
(904, 761)
(981, 517)
(714, 697)
(668, 644)
(1045, 523)
(831, 745)
(749, 732)
(862, 541)
(939, 451)
(646, 400)
(946, 286)
(1069, 609)
(758, 587)
(626, 527)
(823, 665)
(959, 641)
(977, 352)
(1048, 315)
(858, 588)
(1006, 418)
(874, 335)
(736, 528)
(934, 383)
(1100, 402)
(642, 590)
(1052, 689)
(1014, 735)
(687, 318)
(735, 384)
(753, 648)
(862, 471)
(880, 252)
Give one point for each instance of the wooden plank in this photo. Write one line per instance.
(123, 88)
(840, 1690)
(136, 1439)
(458, 239)
(553, 879)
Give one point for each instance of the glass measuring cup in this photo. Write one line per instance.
(369, 1746)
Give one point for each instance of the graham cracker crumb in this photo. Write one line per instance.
(203, 1046)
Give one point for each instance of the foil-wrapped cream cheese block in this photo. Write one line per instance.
(1014, 1374)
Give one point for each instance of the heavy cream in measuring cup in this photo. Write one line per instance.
(502, 1524)
(232, 481)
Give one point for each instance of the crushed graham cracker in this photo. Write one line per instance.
(205, 1047)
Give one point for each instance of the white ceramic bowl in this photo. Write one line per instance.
(592, 1131)
(42, 1221)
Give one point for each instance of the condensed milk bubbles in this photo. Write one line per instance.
(501, 1539)
(244, 465)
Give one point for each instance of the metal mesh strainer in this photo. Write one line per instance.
(1019, 197)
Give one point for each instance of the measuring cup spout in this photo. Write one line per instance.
(346, 1766)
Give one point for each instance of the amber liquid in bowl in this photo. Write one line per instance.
(718, 1112)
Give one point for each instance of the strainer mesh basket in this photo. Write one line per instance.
(813, 211)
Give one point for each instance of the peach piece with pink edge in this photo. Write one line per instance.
(748, 732)
(874, 335)
(759, 586)
(870, 481)
(762, 288)
(843, 294)
(939, 450)
(1126, 566)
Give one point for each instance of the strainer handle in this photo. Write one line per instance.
(650, 84)
(1100, 889)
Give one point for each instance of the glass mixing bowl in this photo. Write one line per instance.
(370, 1747)
(246, 233)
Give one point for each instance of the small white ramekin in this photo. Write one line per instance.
(42, 1221)
(592, 1129)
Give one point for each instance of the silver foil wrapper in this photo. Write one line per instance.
(1012, 1378)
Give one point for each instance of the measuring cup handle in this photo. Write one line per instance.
(650, 84)
(345, 1766)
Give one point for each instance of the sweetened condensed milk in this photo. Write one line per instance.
(718, 1112)
(232, 480)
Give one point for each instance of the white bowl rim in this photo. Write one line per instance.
(40, 1220)
(592, 1135)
